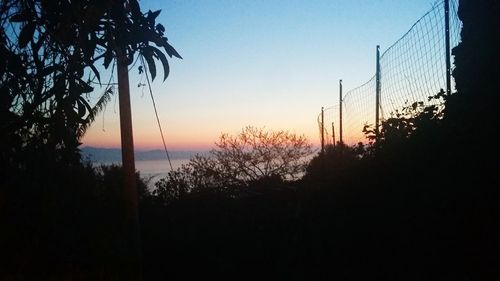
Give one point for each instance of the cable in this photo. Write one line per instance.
(156, 113)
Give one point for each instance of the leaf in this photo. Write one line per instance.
(414, 105)
(86, 88)
(85, 103)
(89, 47)
(153, 15)
(171, 51)
(81, 109)
(107, 58)
(151, 63)
(166, 68)
(98, 107)
(160, 28)
(21, 17)
(134, 7)
(26, 34)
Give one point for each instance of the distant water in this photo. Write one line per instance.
(152, 170)
(157, 169)
(151, 164)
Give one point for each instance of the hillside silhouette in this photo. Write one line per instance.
(113, 155)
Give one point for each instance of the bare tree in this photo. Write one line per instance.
(257, 153)
(252, 155)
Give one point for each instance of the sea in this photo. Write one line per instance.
(151, 171)
(152, 165)
(154, 170)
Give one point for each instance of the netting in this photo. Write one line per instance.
(411, 70)
(358, 111)
(331, 121)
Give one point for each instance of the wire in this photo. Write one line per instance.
(156, 113)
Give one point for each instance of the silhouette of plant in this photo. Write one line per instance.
(256, 153)
(405, 122)
(50, 51)
(253, 156)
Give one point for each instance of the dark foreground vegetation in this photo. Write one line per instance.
(422, 203)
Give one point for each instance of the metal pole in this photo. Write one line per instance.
(322, 130)
(340, 112)
(377, 95)
(130, 194)
(333, 135)
(447, 42)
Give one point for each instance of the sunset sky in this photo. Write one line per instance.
(270, 64)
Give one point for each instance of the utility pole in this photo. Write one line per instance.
(377, 95)
(322, 130)
(340, 112)
(447, 42)
(129, 193)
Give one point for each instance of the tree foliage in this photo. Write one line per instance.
(412, 120)
(50, 53)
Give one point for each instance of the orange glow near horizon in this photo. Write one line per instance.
(147, 137)
(145, 143)
(140, 146)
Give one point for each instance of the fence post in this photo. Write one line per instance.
(340, 112)
(377, 95)
(333, 135)
(447, 42)
(322, 130)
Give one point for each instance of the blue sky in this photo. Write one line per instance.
(261, 63)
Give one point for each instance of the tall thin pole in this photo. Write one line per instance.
(127, 140)
(322, 130)
(333, 134)
(129, 193)
(447, 42)
(377, 94)
(340, 111)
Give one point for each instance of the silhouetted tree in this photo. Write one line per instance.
(254, 156)
(50, 51)
(256, 153)
(177, 184)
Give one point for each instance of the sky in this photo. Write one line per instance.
(270, 64)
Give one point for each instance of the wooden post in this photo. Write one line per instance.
(130, 196)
